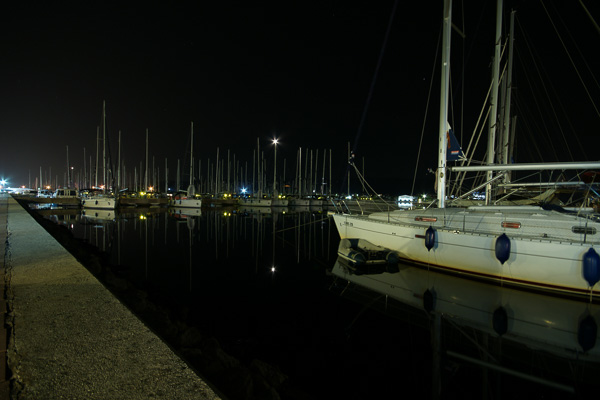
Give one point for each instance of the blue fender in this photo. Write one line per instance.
(430, 238)
(591, 267)
(502, 248)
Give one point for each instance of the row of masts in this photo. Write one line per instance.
(225, 175)
(228, 174)
(222, 175)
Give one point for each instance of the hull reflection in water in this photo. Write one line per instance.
(545, 341)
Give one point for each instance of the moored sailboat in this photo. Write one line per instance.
(104, 199)
(529, 246)
(188, 199)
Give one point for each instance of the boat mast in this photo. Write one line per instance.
(441, 173)
(68, 170)
(104, 146)
(506, 126)
(146, 170)
(494, 100)
(191, 159)
(119, 161)
(259, 169)
(97, 153)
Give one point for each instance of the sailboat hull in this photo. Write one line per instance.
(185, 203)
(542, 249)
(105, 203)
(253, 202)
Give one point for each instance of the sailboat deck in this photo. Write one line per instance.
(533, 223)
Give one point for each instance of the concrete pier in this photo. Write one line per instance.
(69, 337)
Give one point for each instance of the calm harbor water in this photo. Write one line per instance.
(261, 283)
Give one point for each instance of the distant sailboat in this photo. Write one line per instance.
(188, 199)
(528, 246)
(104, 199)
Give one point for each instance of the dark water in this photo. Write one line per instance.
(271, 296)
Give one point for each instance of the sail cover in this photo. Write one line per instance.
(454, 152)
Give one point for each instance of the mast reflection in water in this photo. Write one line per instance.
(346, 334)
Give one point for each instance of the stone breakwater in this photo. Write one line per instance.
(70, 337)
(232, 377)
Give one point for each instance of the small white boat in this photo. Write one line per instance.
(184, 200)
(100, 201)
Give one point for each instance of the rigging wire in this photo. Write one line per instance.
(540, 72)
(412, 190)
(590, 16)
(374, 80)
(574, 41)
(370, 191)
(571, 59)
(372, 87)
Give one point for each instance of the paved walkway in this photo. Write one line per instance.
(69, 336)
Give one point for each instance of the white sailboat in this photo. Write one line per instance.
(188, 199)
(528, 246)
(105, 199)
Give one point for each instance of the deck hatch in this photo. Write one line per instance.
(426, 219)
(585, 230)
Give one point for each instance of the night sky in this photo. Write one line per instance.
(301, 71)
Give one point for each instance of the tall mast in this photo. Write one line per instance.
(300, 172)
(97, 153)
(84, 184)
(68, 170)
(104, 145)
(191, 154)
(119, 161)
(146, 171)
(494, 112)
(506, 125)
(441, 173)
(259, 168)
